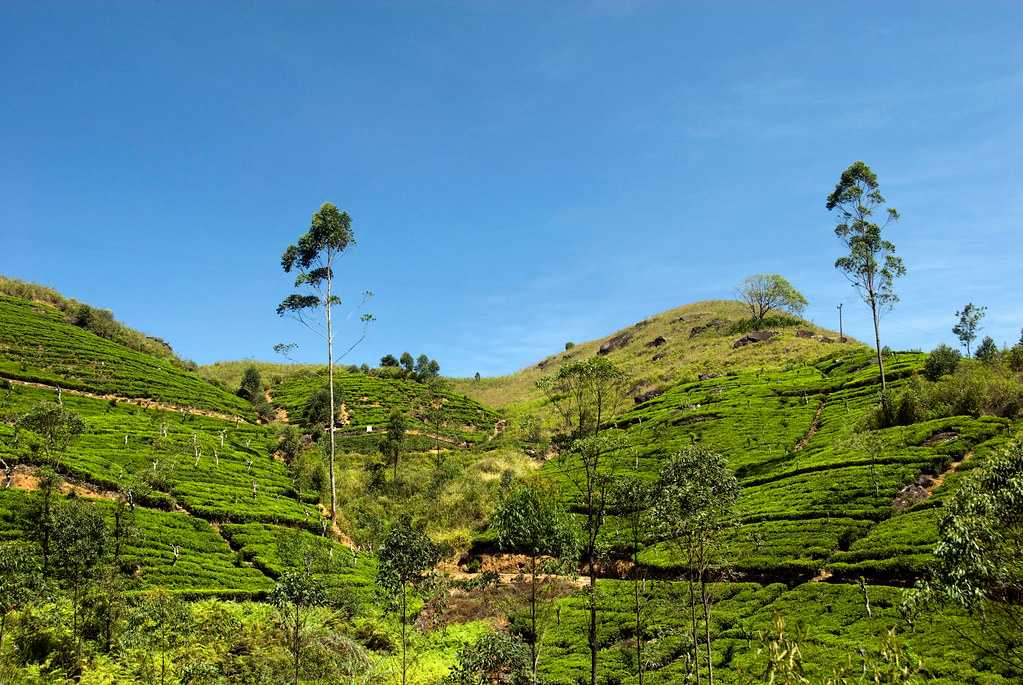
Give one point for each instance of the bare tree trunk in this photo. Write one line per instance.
(592, 568)
(877, 344)
(692, 613)
(295, 644)
(330, 385)
(592, 633)
(532, 616)
(639, 618)
(404, 637)
(705, 598)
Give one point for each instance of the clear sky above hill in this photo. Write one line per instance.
(520, 174)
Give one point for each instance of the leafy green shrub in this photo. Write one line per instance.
(317, 408)
(987, 351)
(496, 657)
(1014, 358)
(754, 324)
(974, 389)
(903, 409)
(940, 362)
(251, 387)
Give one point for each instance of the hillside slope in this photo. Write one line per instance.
(37, 344)
(673, 346)
(214, 501)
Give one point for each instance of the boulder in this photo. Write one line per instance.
(708, 376)
(754, 337)
(618, 341)
(658, 356)
(826, 339)
(646, 396)
(657, 342)
(803, 333)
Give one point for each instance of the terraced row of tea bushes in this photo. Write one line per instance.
(237, 480)
(368, 401)
(264, 544)
(37, 344)
(204, 563)
(812, 484)
(829, 621)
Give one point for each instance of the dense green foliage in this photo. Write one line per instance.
(193, 538)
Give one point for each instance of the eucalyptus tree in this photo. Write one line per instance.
(294, 595)
(57, 426)
(632, 500)
(871, 264)
(395, 440)
(697, 493)
(314, 257)
(532, 521)
(587, 395)
(300, 589)
(968, 325)
(405, 570)
(157, 626)
(79, 547)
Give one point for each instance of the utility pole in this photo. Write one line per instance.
(841, 335)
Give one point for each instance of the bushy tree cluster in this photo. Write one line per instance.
(421, 368)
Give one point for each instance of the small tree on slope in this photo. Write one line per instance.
(407, 558)
(532, 521)
(968, 325)
(588, 395)
(765, 293)
(696, 495)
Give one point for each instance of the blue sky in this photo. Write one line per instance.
(519, 174)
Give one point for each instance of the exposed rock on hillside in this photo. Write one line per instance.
(648, 395)
(618, 341)
(754, 337)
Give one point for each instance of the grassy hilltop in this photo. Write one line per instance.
(673, 346)
(219, 502)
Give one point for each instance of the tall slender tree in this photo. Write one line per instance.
(407, 558)
(395, 441)
(696, 495)
(314, 257)
(532, 521)
(632, 501)
(871, 264)
(588, 395)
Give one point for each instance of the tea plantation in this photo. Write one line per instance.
(830, 526)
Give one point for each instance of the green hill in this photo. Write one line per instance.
(38, 344)
(826, 525)
(676, 345)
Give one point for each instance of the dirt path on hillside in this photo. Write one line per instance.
(280, 413)
(24, 477)
(815, 425)
(137, 401)
(952, 468)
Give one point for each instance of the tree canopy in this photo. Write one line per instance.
(765, 293)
